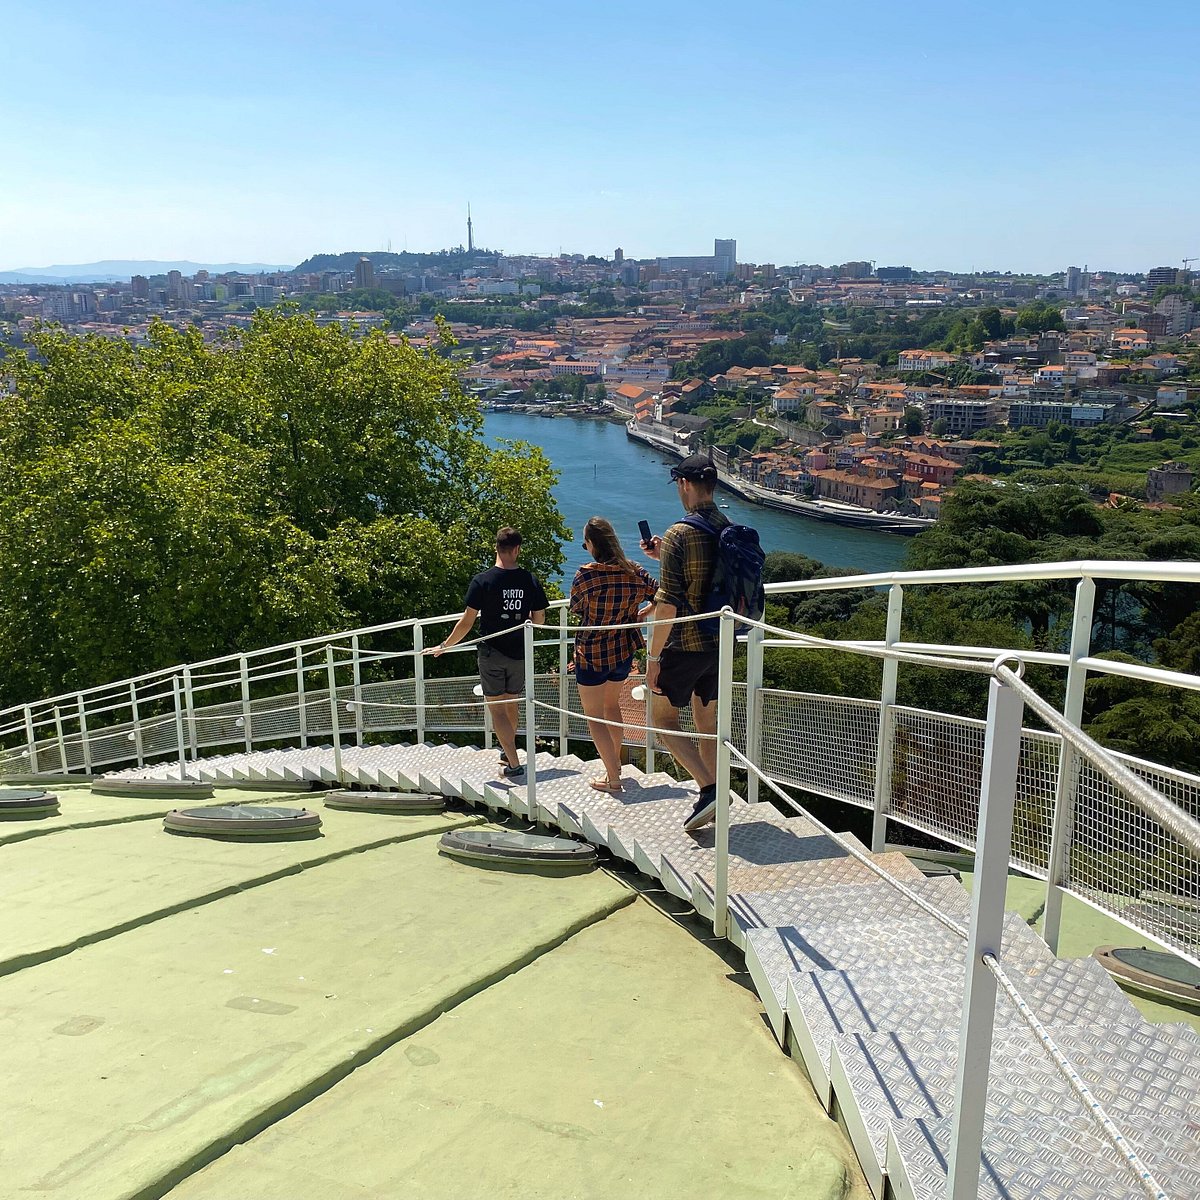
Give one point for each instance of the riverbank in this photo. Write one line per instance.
(603, 472)
(812, 510)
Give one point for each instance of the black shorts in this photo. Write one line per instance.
(499, 674)
(683, 674)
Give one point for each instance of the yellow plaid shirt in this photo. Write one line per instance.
(686, 560)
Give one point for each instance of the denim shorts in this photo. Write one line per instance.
(618, 674)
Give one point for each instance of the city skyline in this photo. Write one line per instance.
(268, 133)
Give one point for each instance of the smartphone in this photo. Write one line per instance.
(644, 530)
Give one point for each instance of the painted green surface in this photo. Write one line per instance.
(84, 884)
(138, 1058)
(627, 1063)
(1083, 929)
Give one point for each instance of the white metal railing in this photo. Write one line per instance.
(1121, 834)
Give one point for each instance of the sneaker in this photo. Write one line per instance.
(513, 772)
(705, 810)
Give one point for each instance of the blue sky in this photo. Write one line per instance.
(1020, 137)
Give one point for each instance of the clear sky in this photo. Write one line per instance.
(1019, 136)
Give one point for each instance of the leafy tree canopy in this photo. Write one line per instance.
(175, 501)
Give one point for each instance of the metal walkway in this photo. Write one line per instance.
(859, 982)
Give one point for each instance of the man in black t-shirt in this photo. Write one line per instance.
(503, 598)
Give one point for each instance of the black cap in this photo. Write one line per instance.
(695, 467)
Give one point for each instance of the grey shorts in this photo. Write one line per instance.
(499, 674)
(683, 674)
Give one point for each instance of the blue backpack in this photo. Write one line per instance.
(738, 574)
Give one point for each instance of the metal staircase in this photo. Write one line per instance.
(858, 979)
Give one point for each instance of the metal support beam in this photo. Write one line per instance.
(189, 705)
(1058, 864)
(530, 727)
(30, 740)
(301, 699)
(564, 682)
(881, 802)
(335, 727)
(1001, 755)
(137, 725)
(356, 675)
(244, 672)
(419, 680)
(180, 748)
(647, 717)
(62, 744)
(724, 733)
(85, 745)
(754, 679)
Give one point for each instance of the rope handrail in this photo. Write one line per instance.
(700, 737)
(1075, 1081)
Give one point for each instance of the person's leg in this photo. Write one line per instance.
(704, 716)
(613, 691)
(683, 749)
(592, 699)
(504, 721)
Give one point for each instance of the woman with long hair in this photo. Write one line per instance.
(607, 591)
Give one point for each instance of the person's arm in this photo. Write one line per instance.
(460, 631)
(538, 617)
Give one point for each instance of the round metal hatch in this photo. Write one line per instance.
(385, 802)
(504, 848)
(1156, 972)
(26, 804)
(163, 788)
(244, 822)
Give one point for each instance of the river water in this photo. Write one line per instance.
(604, 473)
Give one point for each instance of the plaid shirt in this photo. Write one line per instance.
(686, 558)
(605, 594)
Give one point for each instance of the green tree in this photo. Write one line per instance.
(176, 500)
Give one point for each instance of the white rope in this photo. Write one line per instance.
(700, 737)
(1150, 1185)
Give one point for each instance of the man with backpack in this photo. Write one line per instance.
(695, 554)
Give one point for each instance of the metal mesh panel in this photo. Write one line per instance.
(439, 695)
(217, 725)
(1127, 864)
(937, 773)
(274, 718)
(824, 744)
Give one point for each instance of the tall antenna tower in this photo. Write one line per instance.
(470, 232)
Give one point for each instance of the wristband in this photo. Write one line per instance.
(654, 658)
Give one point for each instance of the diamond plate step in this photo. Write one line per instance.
(870, 900)
(777, 955)
(903, 999)
(1040, 1153)
(818, 873)
(1145, 1074)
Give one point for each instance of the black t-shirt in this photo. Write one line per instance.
(504, 600)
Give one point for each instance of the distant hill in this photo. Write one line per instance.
(405, 259)
(119, 269)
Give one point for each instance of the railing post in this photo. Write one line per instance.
(30, 740)
(419, 680)
(993, 845)
(356, 675)
(647, 717)
(301, 701)
(179, 744)
(530, 727)
(62, 744)
(137, 725)
(564, 684)
(83, 736)
(189, 702)
(1057, 869)
(881, 802)
(244, 672)
(754, 680)
(724, 733)
(335, 727)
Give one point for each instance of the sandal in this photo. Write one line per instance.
(605, 785)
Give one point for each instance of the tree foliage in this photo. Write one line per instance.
(176, 500)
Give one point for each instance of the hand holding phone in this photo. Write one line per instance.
(644, 530)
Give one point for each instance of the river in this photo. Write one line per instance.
(604, 473)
